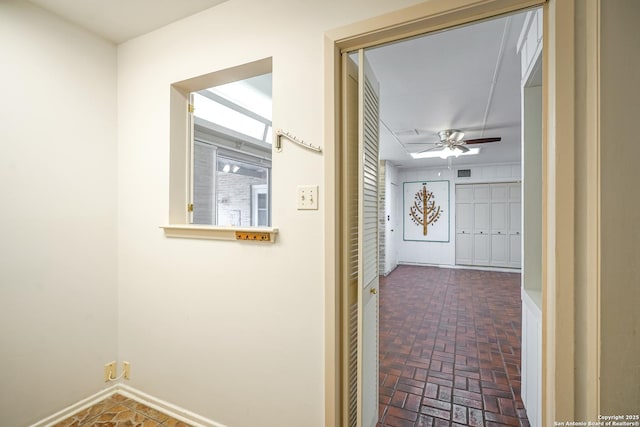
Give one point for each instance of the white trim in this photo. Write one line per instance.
(463, 267)
(212, 232)
(77, 407)
(166, 408)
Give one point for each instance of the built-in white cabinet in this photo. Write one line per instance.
(532, 357)
(488, 224)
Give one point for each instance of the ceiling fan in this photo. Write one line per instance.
(453, 139)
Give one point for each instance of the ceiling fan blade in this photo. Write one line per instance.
(406, 132)
(482, 140)
(429, 149)
(462, 148)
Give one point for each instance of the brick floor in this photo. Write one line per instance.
(450, 344)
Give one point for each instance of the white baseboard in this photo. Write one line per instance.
(167, 408)
(464, 267)
(77, 407)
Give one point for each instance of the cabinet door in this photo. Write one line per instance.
(499, 250)
(464, 218)
(481, 193)
(481, 218)
(515, 192)
(481, 249)
(515, 217)
(499, 219)
(464, 248)
(515, 250)
(515, 225)
(464, 193)
(499, 192)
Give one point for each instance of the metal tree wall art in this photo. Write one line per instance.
(424, 210)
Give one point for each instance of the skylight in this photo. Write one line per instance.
(244, 106)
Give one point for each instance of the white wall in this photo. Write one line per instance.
(233, 331)
(58, 314)
(442, 253)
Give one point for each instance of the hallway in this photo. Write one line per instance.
(450, 344)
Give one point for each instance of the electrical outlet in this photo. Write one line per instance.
(109, 371)
(126, 367)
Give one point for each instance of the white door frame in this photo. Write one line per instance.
(561, 192)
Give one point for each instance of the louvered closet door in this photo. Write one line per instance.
(360, 218)
(368, 134)
(349, 292)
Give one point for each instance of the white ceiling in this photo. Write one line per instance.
(121, 20)
(466, 78)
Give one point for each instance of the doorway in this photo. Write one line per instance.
(422, 382)
(557, 197)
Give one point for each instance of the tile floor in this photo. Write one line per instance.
(450, 348)
(449, 355)
(120, 411)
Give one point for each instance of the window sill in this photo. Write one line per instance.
(212, 232)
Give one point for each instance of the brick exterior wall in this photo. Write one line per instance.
(234, 198)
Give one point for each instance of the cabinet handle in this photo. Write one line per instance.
(481, 232)
(499, 232)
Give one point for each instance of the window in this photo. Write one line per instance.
(232, 153)
(221, 144)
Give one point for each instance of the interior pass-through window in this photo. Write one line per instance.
(231, 143)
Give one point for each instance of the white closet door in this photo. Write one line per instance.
(499, 192)
(515, 215)
(464, 248)
(515, 225)
(499, 250)
(515, 191)
(481, 249)
(464, 193)
(464, 224)
(481, 193)
(499, 220)
(482, 226)
(515, 250)
(369, 120)
(482, 217)
(464, 217)
(488, 220)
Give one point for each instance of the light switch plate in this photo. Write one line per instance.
(307, 197)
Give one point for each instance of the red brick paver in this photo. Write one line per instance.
(450, 344)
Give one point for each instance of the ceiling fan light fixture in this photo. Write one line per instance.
(445, 153)
(453, 135)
